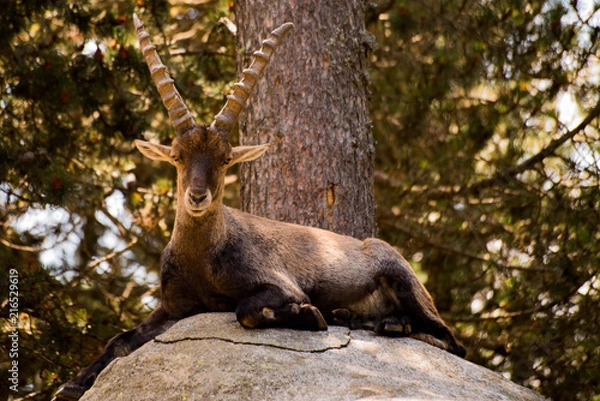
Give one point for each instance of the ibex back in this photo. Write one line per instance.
(271, 274)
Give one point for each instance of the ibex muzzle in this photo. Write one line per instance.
(271, 274)
(198, 195)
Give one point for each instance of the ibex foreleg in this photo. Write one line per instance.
(121, 345)
(270, 306)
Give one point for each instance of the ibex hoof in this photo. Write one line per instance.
(312, 316)
(345, 317)
(342, 317)
(394, 327)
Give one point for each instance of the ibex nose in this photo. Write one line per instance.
(197, 197)
(197, 201)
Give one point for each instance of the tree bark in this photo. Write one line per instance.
(312, 107)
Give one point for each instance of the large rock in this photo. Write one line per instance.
(211, 357)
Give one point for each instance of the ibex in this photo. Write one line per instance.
(272, 274)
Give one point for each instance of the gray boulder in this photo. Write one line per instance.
(211, 357)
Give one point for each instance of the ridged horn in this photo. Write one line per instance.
(178, 112)
(225, 120)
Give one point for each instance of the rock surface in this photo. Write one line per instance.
(211, 357)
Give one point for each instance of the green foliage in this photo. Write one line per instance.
(488, 169)
(486, 114)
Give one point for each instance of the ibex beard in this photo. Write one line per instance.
(271, 274)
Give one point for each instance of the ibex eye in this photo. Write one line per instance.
(227, 161)
(176, 159)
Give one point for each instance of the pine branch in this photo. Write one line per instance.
(510, 173)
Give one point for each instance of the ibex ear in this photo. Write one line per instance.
(247, 153)
(154, 151)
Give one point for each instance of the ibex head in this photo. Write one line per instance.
(203, 153)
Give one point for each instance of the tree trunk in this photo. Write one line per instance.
(312, 107)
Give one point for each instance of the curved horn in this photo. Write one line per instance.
(225, 120)
(178, 112)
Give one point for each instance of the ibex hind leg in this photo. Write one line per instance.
(414, 312)
(271, 306)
